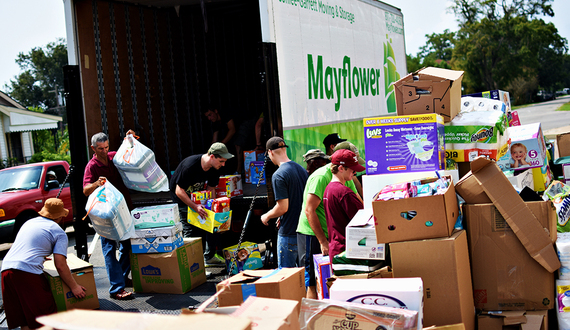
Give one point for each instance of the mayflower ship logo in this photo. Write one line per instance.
(483, 135)
(390, 75)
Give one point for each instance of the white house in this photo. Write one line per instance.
(16, 126)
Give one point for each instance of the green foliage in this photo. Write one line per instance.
(50, 144)
(42, 71)
(437, 52)
(564, 107)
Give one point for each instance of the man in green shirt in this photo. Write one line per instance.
(312, 235)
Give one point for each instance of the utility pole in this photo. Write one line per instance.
(57, 110)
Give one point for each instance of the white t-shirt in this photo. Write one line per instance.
(38, 238)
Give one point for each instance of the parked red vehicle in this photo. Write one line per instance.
(23, 191)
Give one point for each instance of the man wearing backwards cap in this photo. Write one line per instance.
(331, 141)
(25, 290)
(288, 184)
(315, 158)
(341, 203)
(196, 173)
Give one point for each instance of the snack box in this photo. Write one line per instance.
(255, 169)
(201, 196)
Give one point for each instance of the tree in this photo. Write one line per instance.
(436, 52)
(42, 71)
(501, 42)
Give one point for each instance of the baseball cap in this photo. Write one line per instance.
(333, 138)
(220, 149)
(351, 147)
(348, 159)
(315, 153)
(275, 142)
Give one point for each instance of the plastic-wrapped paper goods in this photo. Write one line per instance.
(138, 167)
(108, 211)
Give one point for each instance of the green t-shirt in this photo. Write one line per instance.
(316, 185)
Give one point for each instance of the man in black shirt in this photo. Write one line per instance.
(196, 173)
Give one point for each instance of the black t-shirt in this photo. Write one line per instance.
(190, 176)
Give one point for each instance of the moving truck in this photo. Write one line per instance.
(309, 67)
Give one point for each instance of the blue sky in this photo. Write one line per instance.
(25, 24)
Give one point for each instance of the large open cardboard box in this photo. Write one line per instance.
(435, 217)
(82, 272)
(430, 90)
(178, 271)
(505, 276)
(443, 265)
(284, 283)
(513, 320)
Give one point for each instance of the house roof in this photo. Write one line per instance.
(8, 101)
(22, 120)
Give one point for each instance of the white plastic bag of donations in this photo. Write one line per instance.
(138, 167)
(108, 211)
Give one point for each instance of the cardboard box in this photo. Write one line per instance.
(361, 237)
(563, 145)
(255, 169)
(214, 222)
(82, 272)
(155, 216)
(435, 217)
(405, 293)
(178, 271)
(104, 320)
(517, 214)
(284, 283)
(371, 184)
(430, 90)
(458, 326)
(443, 265)
(526, 139)
(248, 157)
(249, 257)
(229, 186)
(339, 315)
(270, 314)
(323, 271)
(413, 143)
(505, 275)
(521, 179)
(156, 240)
(513, 320)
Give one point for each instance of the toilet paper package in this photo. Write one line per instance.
(480, 129)
(413, 143)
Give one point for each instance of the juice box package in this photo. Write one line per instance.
(527, 150)
(248, 257)
(201, 196)
(229, 186)
(404, 144)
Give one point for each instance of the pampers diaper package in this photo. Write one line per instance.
(480, 129)
(404, 144)
(527, 150)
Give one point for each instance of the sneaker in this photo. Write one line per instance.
(215, 261)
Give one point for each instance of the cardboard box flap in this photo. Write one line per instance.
(73, 262)
(441, 73)
(362, 218)
(517, 214)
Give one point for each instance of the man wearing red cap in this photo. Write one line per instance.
(341, 203)
(25, 290)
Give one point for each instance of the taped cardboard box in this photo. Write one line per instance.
(435, 216)
(443, 265)
(82, 272)
(284, 283)
(505, 276)
(513, 320)
(104, 320)
(270, 314)
(178, 271)
(430, 90)
(523, 222)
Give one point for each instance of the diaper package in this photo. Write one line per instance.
(563, 304)
(138, 167)
(108, 211)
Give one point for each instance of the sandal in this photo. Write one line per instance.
(122, 295)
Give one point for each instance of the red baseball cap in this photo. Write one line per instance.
(347, 159)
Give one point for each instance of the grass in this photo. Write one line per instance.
(564, 107)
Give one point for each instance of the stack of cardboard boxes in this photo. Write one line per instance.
(162, 260)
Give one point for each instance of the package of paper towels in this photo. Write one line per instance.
(138, 168)
(108, 211)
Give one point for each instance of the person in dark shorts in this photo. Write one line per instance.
(26, 292)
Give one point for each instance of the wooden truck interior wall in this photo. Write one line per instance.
(155, 70)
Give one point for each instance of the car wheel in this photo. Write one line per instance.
(20, 220)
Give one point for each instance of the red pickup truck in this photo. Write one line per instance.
(23, 191)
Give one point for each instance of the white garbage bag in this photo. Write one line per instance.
(108, 211)
(138, 167)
